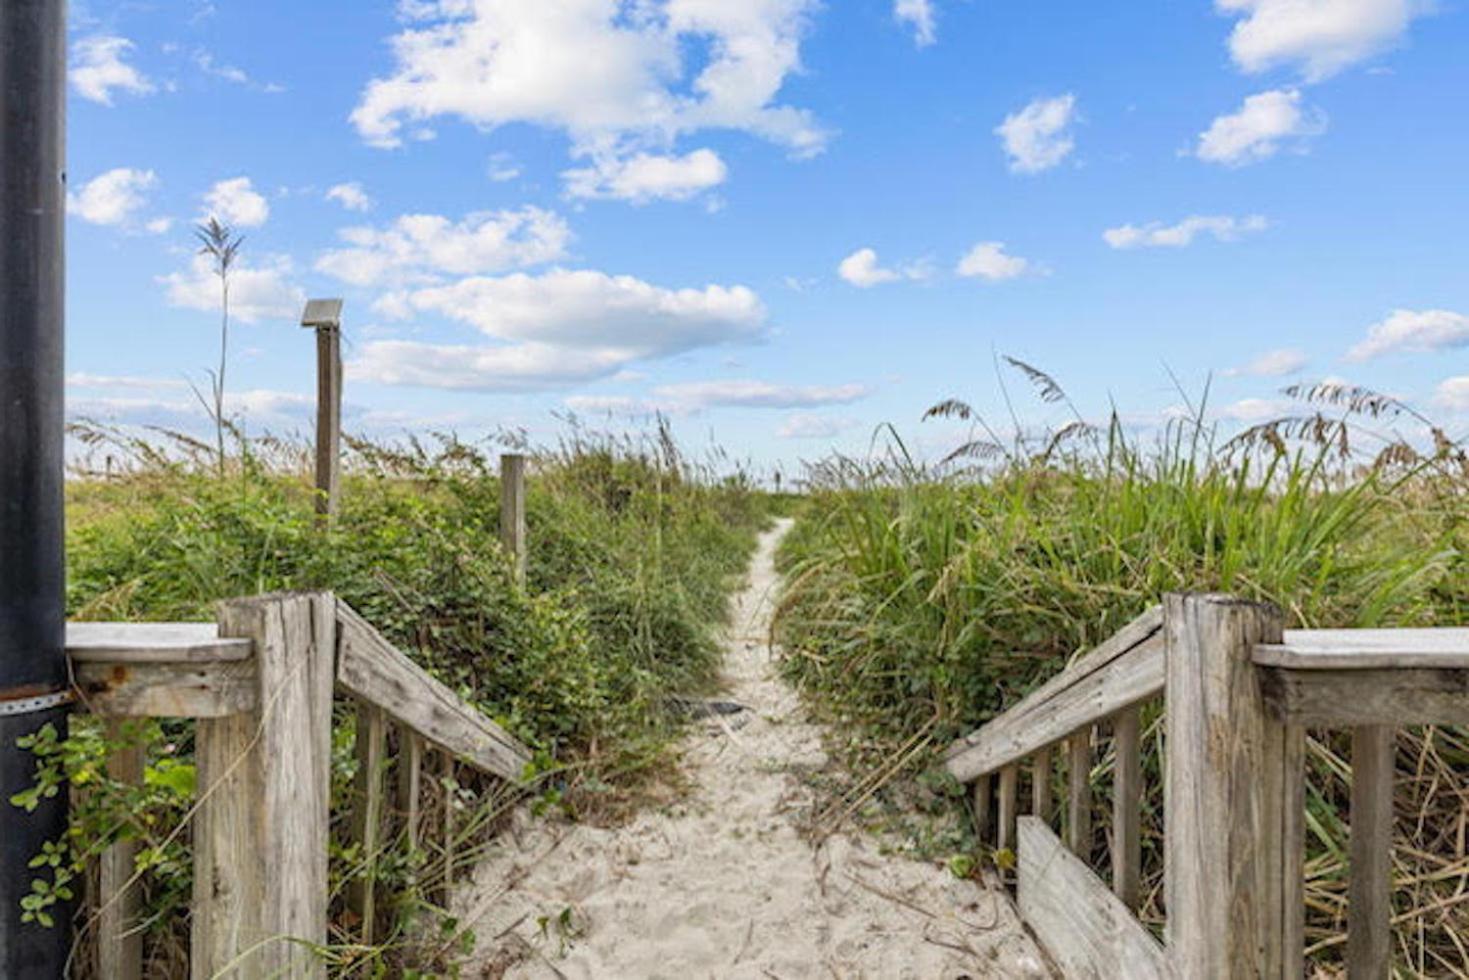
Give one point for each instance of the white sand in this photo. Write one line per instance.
(724, 883)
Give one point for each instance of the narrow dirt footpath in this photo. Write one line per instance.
(724, 883)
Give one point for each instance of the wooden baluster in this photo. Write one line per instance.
(447, 770)
(410, 784)
(1009, 792)
(1127, 795)
(367, 812)
(1369, 905)
(119, 899)
(980, 795)
(1043, 803)
(1079, 793)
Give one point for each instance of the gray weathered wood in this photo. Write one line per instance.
(1376, 696)
(367, 812)
(1089, 933)
(1009, 796)
(1283, 780)
(328, 419)
(1079, 793)
(512, 510)
(1127, 801)
(980, 796)
(410, 784)
(448, 783)
(158, 690)
(1126, 669)
(1369, 896)
(119, 898)
(167, 643)
(260, 832)
(1366, 649)
(371, 669)
(1042, 794)
(1223, 898)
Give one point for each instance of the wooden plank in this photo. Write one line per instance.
(410, 785)
(1223, 908)
(371, 669)
(328, 419)
(448, 783)
(1042, 793)
(1087, 931)
(119, 896)
(158, 690)
(1009, 796)
(512, 511)
(980, 795)
(1127, 801)
(1369, 896)
(1095, 686)
(367, 812)
(260, 831)
(1284, 782)
(138, 643)
(1079, 793)
(1368, 649)
(1354, 698)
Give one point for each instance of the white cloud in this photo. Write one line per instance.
(82, 379)
(920, 14)
(1256, 130)
(1321, 36)
(757, 394)
(418, 248)
(518, 367)
(1155, 234)
(863, 270)
(1255, 409)
(646, 177)
(113, 197)
(622, 405)
(608, 72)
(1272, 364)
(1038, 136)
(206, 63)
(98, 70)
(257, 292)
(503, 167)
(1453, 394)
(989, 261)
(1413, 330)
(810, 425)
(351, 196)
(235, 202)
(159, 226)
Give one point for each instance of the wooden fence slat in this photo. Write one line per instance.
(1127, 796)
(1284, 780)
(119, 899)
(260, 831)
(1369, 900)
(410, 783)
(1009, 795)
(367, 812)
(1079, 793)
(1042, 795)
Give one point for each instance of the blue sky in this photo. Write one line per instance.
(782, 222)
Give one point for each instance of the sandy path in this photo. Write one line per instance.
(723, 884)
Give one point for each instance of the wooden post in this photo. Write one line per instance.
(980, 795)
(410, 782)
(1127, 796)
(1225, 871)
(119, 939)
(1009, 792)
(447, 770)
(512, 510)
(260, 832)
(328, 419)
(1369, 901)
(367, 811)
(1079, 793)
(1043, 803)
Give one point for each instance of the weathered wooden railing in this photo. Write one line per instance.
(1239, 692)
(260, 684)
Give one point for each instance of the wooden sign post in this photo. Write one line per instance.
(325, 315)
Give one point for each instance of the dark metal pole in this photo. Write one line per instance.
(32, 612)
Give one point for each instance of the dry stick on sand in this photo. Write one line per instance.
(871, 783)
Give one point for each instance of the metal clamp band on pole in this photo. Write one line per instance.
(36, 702)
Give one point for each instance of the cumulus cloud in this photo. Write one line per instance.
(257, 292)
(607, 72)
(1321, 37)
(1155, 234)
(989, 261)
(1038, 136)
(1272, 364)
(511, 368)
(1413, 330)
(1256, 130)
(112, 198)
(811, 425)
(1255, 409)
(863, 270)
(920, 15)
(757, 394)
(235, 202)
(1453, 394)
(350, 195)
(420, 248)
(646, 177)
(98, 69)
